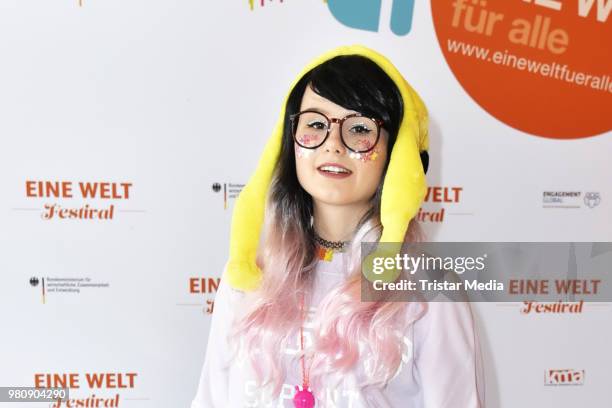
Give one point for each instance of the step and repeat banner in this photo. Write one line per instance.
(128, 128)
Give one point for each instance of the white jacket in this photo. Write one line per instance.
(441, 366)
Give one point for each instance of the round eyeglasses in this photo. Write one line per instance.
(359, 133)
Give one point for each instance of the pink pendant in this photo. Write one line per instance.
(303, 399)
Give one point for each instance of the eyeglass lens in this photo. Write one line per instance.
(359, 133)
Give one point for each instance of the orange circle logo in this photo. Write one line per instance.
(540, 66)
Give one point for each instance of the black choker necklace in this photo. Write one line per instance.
(334, 245)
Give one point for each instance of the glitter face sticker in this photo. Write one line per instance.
(305, 140)
(308, 140)
(365, 157)
(302, 152)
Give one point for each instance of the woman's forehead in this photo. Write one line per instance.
(312, 100)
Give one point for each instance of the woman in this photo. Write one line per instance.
(345, 165)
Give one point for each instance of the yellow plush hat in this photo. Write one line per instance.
(403, 190)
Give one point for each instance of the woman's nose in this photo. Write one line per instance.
(334, 140)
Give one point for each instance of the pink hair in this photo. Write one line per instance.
(272, 312)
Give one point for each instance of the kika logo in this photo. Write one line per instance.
(365, 14)
(102, 192)
(564, 377)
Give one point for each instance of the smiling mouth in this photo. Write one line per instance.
(334, 169)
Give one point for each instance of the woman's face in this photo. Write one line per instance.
(365, 169)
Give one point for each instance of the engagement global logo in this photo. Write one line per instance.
(540, 66)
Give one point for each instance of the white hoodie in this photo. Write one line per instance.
(441, 365)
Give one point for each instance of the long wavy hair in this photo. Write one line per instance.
(286, 253)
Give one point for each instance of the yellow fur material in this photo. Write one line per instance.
(403, 190)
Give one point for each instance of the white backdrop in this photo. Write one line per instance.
(175, 100)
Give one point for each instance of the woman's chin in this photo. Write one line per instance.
(333, 198)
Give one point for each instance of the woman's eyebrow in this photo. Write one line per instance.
(326, 112)
(316, 108)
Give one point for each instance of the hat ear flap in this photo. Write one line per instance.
(247, 219)
(249, 209)
(404, 185)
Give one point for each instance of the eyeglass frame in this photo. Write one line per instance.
(378, 122)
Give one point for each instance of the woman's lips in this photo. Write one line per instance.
(334, 170)
(334, 175)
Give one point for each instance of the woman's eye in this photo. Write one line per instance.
(360, 129)
(317, 125)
